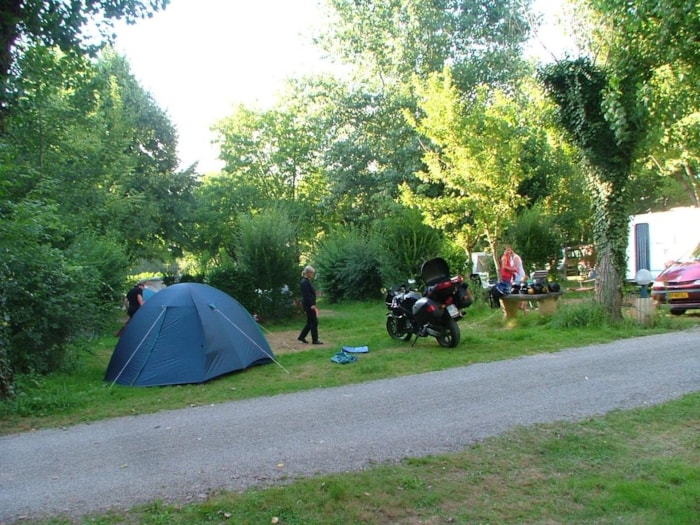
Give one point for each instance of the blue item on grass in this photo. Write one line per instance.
(343, 358)
(356, 349)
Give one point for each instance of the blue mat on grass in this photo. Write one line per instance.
(356, 349)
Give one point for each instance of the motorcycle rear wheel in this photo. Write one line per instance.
(449, 338)
(397, 329)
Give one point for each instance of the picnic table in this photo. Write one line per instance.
(546, 303)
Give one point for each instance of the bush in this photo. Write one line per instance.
(238, 283)
(537, 239)
(267, 253)
(406, 242)
(100, 266)
(52, 297)
(348, 266)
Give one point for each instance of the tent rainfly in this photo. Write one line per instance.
(187, 333)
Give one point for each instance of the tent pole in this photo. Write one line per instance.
(155, 340)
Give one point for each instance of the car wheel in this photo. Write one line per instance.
(677, 311)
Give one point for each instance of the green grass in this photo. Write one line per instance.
(639, 466)
(82, 396)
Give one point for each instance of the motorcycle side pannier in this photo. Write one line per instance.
(465, 298)
(426, 310)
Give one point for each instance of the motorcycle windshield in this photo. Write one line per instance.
(435, 271)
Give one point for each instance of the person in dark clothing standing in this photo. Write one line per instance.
(308, 302)
(134, 298)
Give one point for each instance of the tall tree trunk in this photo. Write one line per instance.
(611, 233)
(6, 375)
(10, 11)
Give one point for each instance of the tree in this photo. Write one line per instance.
(87, 185)
(391, 41)
(272, 162)
(625, 112)
(605, 121)
(214, 227)
(59, 23)
(269, 150)
(655, 44)
(478, 151)
(364, 153)
(91, 138)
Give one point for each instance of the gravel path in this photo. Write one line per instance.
(182, 455)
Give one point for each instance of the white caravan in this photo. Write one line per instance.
(657, 238)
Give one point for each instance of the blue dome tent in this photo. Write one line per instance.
(187, 333)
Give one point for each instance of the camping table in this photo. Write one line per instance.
(546, 303)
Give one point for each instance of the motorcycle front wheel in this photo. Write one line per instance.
(449, 338)
(397, 328)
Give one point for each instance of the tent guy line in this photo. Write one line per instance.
(213, 307)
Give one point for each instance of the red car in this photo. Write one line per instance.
(678, 286)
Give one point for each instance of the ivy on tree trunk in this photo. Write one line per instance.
(597, 121)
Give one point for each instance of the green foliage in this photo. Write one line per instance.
(406, 242)
(97, 143)
(53, 297)
(268, 151)
(478, 153)
(390, 42)
(662, 61)
(267, 253)
(52, 23)
(598, 110)
(6, 372)
(536, 237)
(578, 87)
(214, 229)
(580, 315)
(238, 283)
(263, 277)
(348, 266)
(372, 152)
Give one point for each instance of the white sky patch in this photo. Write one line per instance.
(201, 58)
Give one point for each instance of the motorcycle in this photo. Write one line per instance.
(433, 313)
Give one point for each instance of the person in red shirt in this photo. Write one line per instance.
(508, 269)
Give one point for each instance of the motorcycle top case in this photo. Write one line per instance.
(426, 310)
(435, 271)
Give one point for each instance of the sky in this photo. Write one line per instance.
(201, 58)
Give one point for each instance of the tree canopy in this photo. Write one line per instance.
(61, 24)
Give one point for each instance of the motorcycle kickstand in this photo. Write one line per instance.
(414, 341)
